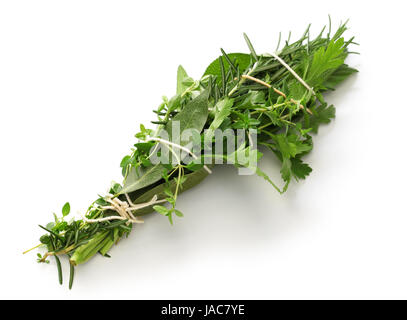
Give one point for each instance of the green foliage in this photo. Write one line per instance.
(322, 114)
(299, 169)
(193, 116)
(240, 60)
(222, 110)
(66, 209)
(135, 181)
(339, 75)
(192, 179)
(268, 99)
(182, 76)
(325, 61)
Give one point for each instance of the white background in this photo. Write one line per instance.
(78, 77)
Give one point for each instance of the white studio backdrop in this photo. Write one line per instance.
(76, 80)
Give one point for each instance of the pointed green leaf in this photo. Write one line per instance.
(192, 116)
(161, 210)
(135, 182)
(181, 76)
(243, 60)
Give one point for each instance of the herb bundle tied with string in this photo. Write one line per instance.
(278, 96)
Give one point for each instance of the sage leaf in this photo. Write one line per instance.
(192, 116)
(181, 77)
(135, 182)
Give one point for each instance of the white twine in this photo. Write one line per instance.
(293, 72)
(124, 209)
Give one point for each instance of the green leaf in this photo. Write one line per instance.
(178, 213)
(45, 239)
(135, 182)
(170, 218)
(243, 61)
(194, 166)
(325, 61)
(116, 187)
(252, 99)
(192, 116)
(291, 145)
(161, 210)
(222, 111)
(66, 209)
(321, 115)
(102, 202)
(50, 225)
(300, 169)
(144, 147)
(339, 75)
(125, 161)
(181, 76)
(296, 89)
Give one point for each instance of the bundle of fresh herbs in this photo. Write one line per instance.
(276, 100)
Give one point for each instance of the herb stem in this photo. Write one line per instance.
(37, 246)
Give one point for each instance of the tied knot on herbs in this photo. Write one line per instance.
(123, 209)
(278, 97)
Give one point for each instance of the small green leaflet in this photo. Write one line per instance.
(291, 145)
(291, 148)
(66, 209)
(299, 169)
(325, 61)
(161, 209)
(321, 114)
(294, 167)
(181, 77)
